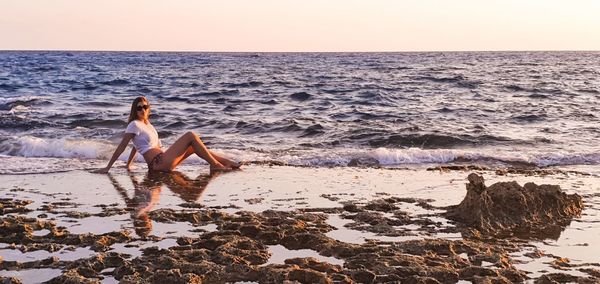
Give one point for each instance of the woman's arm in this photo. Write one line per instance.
(131, 156)
(126, 138)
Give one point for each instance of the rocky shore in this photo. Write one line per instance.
(239, 248)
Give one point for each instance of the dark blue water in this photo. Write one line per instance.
(537, 108)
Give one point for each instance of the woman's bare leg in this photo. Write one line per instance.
(179, 151)
(188, 152)
(226, 162)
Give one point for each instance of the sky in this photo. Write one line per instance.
(300, 25)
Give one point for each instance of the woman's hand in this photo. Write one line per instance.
(101, 171)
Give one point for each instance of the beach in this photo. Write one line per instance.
(377, 167)
(270, 224)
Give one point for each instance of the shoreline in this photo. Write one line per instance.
(243, 225)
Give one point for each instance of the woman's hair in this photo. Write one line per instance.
(133, 113)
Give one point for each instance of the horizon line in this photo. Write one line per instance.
(242, 51)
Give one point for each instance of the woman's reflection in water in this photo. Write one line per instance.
(147, 194)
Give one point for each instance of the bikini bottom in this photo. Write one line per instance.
(157, 160)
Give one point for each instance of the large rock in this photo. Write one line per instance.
(506, 208)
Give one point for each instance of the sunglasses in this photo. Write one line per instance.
(139, 108)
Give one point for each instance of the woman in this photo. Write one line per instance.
(145, 140)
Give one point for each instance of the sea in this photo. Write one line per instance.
(65, 110)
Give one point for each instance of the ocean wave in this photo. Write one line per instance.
(30, 146)
(430, 141)
(116, 82)
(10, 87)
(92, 123)
(301, 96)
(250, 84)
(14, 121)
(33, 147)
(8, 104)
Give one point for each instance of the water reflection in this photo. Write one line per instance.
(147, 194)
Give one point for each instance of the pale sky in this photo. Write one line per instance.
(299, 25)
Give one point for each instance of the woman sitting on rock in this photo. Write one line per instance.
(145, 140)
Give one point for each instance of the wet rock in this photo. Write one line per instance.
(254, 200)
(174, 276)
(382, 205)
(363, 276)
(308, 276)
(124, 270)
(132, 279)
(10, 280)
(20, 229)
(306, 241)
(111, 259)
(591, 271)
(184, 241)
(443, 273)
(103, 243)
(74, 214)
(275, 273)
(351, 207)
(50, 247)
(9, 205)
(490, 280)
(72, 277)
(87, 272)
(314, 264)
(514, 275)
(420, 280)
(241, 250)
(270, 237)
(507, 207)
(472, 271)
(371, 218)
(564, 278)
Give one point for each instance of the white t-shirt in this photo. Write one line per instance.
(145, 137)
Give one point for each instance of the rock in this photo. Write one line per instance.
(591, 271)
(557, 278)
(490, 280)
(420, 280)
(514, 275)
(471, 271)
(363, 276)
(351, 207)
(10, 280)
(308, 276)
(184, 241)
(174, 276)
(314, 264)
(506, 207)
(123, 270)
(306, 241)
(72, 277)
(113, 259)
(381, 205)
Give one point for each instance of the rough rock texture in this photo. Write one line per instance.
(239, 249)
(507, 207)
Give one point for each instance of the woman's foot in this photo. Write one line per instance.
(231, 164)
(218, 167)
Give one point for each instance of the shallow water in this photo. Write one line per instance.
(259, 188)
(32, 276)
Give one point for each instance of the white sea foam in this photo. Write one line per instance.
(29, 146)
(78, 153)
